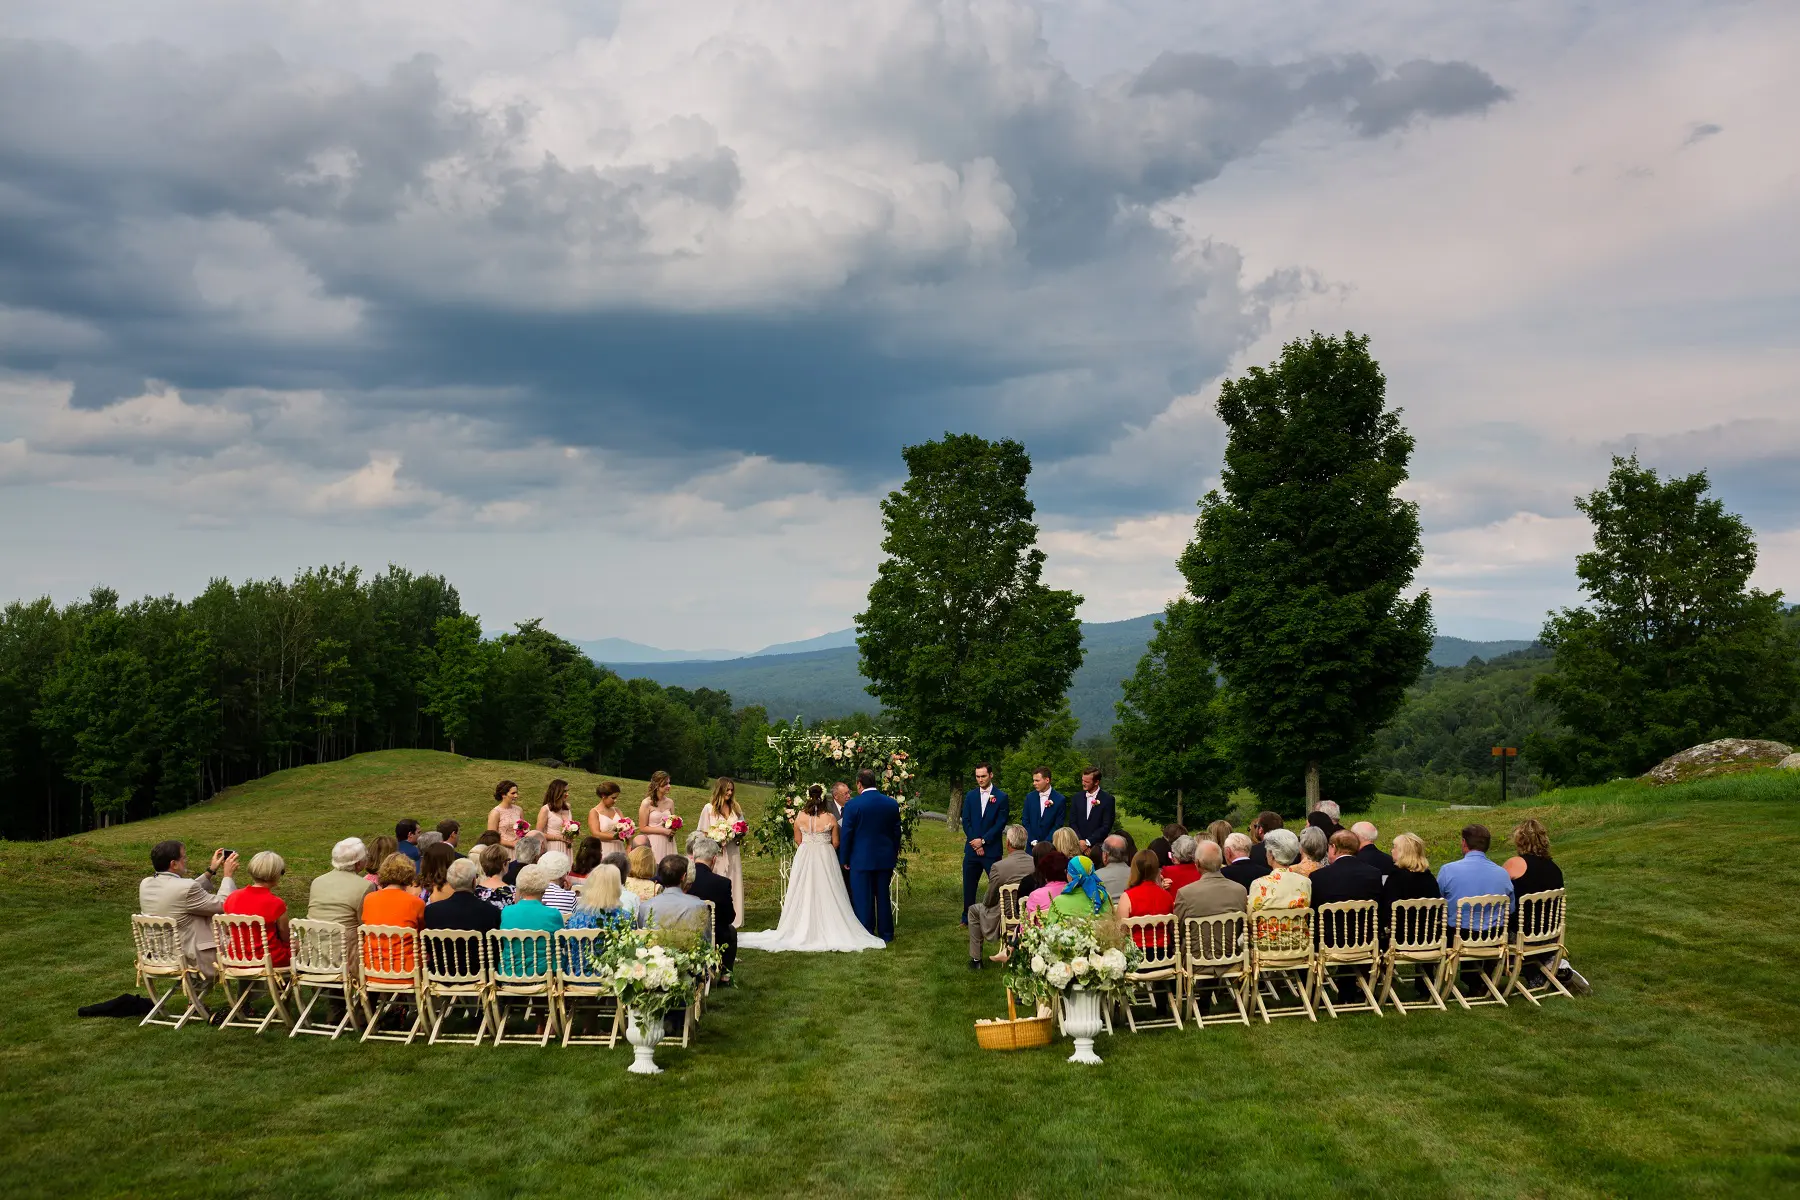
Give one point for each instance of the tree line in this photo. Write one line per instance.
(111, 711)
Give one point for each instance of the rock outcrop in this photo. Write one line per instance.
(1790, 763)
(1726, 756)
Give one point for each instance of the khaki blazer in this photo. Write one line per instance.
(1012, 869)
(1211, 895)
(338, 896)
(193, 904)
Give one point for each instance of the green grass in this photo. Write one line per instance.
(835, 1075)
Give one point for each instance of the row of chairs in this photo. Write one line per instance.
(431, 974)
(1338, 957)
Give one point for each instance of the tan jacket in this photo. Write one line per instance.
(338, 896)
(1013, 868)
(192, 903)
(1211, 895)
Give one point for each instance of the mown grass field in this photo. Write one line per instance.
(859, 1075)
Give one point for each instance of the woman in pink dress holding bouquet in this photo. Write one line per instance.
(556, 820)
(723, 821)
(506, 815)
(607, 823)
(657, 821)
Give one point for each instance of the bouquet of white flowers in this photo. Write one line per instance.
(654, 970)
(1086, 953)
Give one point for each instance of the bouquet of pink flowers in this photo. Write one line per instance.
(674, 823)
(521, 828)
(738, 829)
(625, 828)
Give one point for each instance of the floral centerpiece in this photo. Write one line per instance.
(1079, 962)
(652, 972)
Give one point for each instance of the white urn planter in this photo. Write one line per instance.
(1081, 1021)
(643, 1034)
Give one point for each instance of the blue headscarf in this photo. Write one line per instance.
(1083, 879)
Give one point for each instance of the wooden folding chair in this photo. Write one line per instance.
(1215, 958)
(1537, 941)
(1281, 952)
(578, 986)
(246, 965)
(322, 965)
(1479, 938)
(1012, 915)
(1349, 955)
(453, 967)
(1157, 979)
(522, 963)
(1415, 941)
(390, 979)
(156, 942)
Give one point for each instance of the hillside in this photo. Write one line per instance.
(1679, 1076)
(826, 683)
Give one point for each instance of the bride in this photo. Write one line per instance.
(816, 914)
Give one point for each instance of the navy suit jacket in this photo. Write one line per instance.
(1039, 825)
(992, 827)
(869, 836)
(1097, 828)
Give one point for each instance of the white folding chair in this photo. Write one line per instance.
(390, 980)
(1215, 956)
(1480, 943)
(1349, 954)
(156, 942)
(1416, 943)
(323, 965)
(522, 963)
(1537, 942)
(1157, 980)
(1281, 953)
(578, 988)
(453, 965)
(246, 964)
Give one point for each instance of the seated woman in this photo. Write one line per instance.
(604, 903)
(1065, 843)
(1052, 870)
(434, 872)
(1218, 831)
(1531, 869)
(1164, 846)
(492, 886)
(394, 903)
(1182, 871)
(379, 849)
(1283, 887)
(1411, 878)
(642, 881)
(1145, 895)
(260, 900)
(587, 856)
(1083, 897)
(1314, 845)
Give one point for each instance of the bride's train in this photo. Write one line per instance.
(816, 914)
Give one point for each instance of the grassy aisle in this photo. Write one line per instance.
(858, 1074)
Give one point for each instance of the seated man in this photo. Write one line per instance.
(406, 833)
(450, 831)
(462, 908)
(1181, 870)
(1242, 869)
(984, 917)
(337, 895)
(1265, 824)
(1115, 874)
(671, 907)
(1368, 851)
(192, 902)
(1474, 874)
(707, 884)
(1344, 876)
(1212, 894)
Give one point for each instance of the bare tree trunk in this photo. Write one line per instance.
(1178, 819)
(953, 814)
(1312, 784)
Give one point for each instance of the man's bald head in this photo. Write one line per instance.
(1208, 856)
(1365, 832)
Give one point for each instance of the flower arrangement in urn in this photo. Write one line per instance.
(1065, 952)
(652, 971)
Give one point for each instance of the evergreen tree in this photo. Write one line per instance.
(1167, 729)
(1300, 564)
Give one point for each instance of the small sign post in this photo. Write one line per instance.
(1505, 754)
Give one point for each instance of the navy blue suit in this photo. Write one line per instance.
(1040, 825)
(869, 846)
(990, 826)
(1097, 828)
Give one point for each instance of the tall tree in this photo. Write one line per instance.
(1300, 564)
(1674, 648)
(1168, 727)
(961, 640)
(1051, 747)
(453, 688)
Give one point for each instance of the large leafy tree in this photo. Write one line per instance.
(1168, 726)
(457, 674)
(962, 641)
(1674, 647)
(1300, 564)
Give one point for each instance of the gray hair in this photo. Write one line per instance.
(348, 855)
(1366, 831)
(554, 865)
(531, 881)
(267, 867)
(462, 875)
(430, 837)
(1113, 849)
(1015, 837)
(1282, 847)
(1314, 842)
(1237, 845)
(1328, 807)
(529, 847)
(703, 848)
(1208, 856)
(1182, 848)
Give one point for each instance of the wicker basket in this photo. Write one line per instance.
(1014, 1033)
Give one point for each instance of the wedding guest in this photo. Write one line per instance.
(1115, 875)
(528, 911)
(642, 878)
(1283, 887)
(1065, 842)
(1473, 875)
(620, 861)
(1315, 843)
(671, 908)
(406, 836)
(1345, 875)
(337, 895)
(723, 810)
(1044, 809)
(1093, 813)
(709, 884)
(603, 819)
(588, 855)
(488, 837)
(1015, 866)
(168, 892)
(1531, 869)
(395, 903)
(505, 816)
(1083, 897)
(1052, 868)
(1162, 846)
(434, 871)
(655, 813)
(555, 819)
(450, 830)
(427, 838)
(1145, 895)
(461, 908)
(379, 849)
(1324, 817)
(527, 850)
(555, 865)
(1240, 867)
(1411, 878)
(1218, 831)
(1266, 822)
(260, 900)
(1181, 870)
(986, 811)
(1212, 894)
(1369, 852)
(492, 886)
(604, 903)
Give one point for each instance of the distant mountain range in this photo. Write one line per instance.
(818, 677)
(621, 652)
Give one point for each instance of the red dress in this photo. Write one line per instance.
(1178, 876)
(258, 901)
(1149, 900)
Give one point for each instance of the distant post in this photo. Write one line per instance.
(1505, 754)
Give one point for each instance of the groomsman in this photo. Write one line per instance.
(1092, 814)
(1045, 809)
(985, 816)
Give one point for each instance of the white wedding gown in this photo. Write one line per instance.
(816, 914)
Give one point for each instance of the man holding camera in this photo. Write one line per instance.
(191, 902)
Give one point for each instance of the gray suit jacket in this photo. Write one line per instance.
(1113, 877)
(670, 908)
(1013, 868)
(192, 903)
(1211, 895)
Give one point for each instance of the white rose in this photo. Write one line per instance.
(1038, 964)
(1080, 966)
(1058, 976)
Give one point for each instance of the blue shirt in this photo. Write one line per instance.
(411, 850)
(1474, 874)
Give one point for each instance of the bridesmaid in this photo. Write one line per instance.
(654, 812)
(603, 819)
(724, 807)
(506, 814)
(555, 818)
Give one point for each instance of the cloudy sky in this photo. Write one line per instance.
(619, 313)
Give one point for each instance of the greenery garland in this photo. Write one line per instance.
(804, 757)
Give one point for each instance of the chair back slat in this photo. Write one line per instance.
(1349, 927)
(389, 953)
(242, 941)
(1481, 922)
(1416, 926)
(157, 941)
(1541, 917)
(1159, 937)
(575, 950)
(318, 947)
(1011, 908)
(1211, 943)
(454, 956)
(520, 957)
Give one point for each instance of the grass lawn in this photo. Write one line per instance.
(858, 1074)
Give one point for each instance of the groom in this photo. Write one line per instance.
(869, 846)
